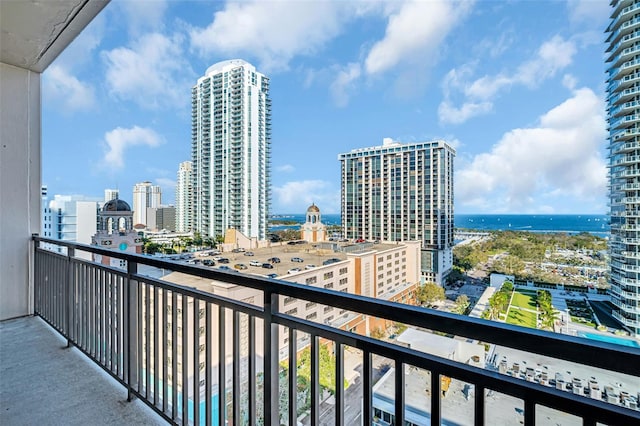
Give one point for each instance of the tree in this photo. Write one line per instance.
(462, 303)
(429, 293)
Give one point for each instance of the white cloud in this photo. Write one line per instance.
(590, 11)
(152, 72)
(344, 83)
(553, 56)
(285, 168)
(527, 167)
(168, 186)
(66, 91)
(119, 140)
(447, 113)
(296, 196)
(414, 32)
(272, 31)
(569, 81)
(143, 15)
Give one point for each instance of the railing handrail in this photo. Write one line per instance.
(608, 356)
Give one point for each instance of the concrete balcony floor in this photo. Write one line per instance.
(43, 382)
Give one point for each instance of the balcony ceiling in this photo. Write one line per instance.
(33, 33)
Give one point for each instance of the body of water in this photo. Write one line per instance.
(610, 339)
(594, 224)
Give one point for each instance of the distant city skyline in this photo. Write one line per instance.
(518, 88)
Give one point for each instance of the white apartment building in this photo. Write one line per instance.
(145, 195)
(111, 194)
(71, 218)
(231, 138)
(623, 97)
(402, 192)
(183, 197)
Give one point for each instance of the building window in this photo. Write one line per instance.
(292, 311)
(328, 309)
(289, 300)
(329, 285)
(343, 281)
(343, 271)
(310, 305)
(311, 280)
(312, 316)
(328, 275)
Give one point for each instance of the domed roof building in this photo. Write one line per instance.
(115, 231)
(116, 205)
(313, 229)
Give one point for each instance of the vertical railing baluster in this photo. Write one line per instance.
(293, 376)
(435, 399)
(208, 381)
(315, 380)
(132, 291)
(69, 284)
(236, 367)
(222, 365)
(140, 332)
(399, 392)
(252, 370)
(185, 360)
(147, 341)
(339, 392)
(174, 355)
(156, 345)
(196, 361)
(271, 358)
(165, 365)
(478, 406)
(367, 386)
(529, 412)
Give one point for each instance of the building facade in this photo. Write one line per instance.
(71, 218)
(159, 218)
(115, 231)
(230, 139)
(623, 100)
(184, 194)
(145, 195)
(111, 194)
(313, 229)
(402, 192)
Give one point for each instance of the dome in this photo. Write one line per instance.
(116, 205)
(313, 209)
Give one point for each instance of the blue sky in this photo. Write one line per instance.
(517, 87)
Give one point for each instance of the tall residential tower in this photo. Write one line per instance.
(145, 195)
(623, 101)
(184, 193)
(402, 192)
(230, 150)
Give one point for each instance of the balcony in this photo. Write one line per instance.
(118, 319)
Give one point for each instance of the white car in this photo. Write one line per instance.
(310, 266)
(293, 270)
(255, 263)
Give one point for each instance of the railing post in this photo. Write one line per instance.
(271, 358)
(131, 328)
(68, 305)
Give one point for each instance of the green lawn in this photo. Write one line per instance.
(524, 300)
(521, 317)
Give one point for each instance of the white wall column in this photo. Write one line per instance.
(20, 180)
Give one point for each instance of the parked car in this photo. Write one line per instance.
(223, 260)
(248, 253)
(292, 270)
(255, 263)
(274, 260)
(240, 266)
(330, 261)
(297, 259)
(267, 266)
(224, 268)
(272, 276)
(208, 262)
(360, 240)
(310, 266)
(238, 250)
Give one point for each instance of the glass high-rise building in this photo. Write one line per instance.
(230, 140)
(184, 194)
(623, 101)
(402, 192)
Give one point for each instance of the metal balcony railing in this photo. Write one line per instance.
(198, 358)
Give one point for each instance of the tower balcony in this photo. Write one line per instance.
(171, 346)
(626, 147)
